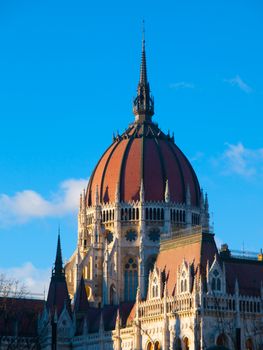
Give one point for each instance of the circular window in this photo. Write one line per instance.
(154, 234)
(109, 236)
(131, 265)
(131, 235)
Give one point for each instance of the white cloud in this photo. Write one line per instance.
(242, 161)
(197, 156)
(237, 81)
(35, 280)
(28, 204)
(182, 85)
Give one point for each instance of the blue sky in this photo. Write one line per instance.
(68, 72)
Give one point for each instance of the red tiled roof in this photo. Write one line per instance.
(248, 273)
(19, 314)
(143, 152)
(195, 249)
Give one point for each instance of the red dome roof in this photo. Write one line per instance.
(143, 152)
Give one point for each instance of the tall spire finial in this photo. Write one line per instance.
(143, 104)
(143, 70)
(58, 270)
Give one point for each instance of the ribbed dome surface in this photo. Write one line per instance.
(143, 152)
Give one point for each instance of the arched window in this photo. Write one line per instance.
(249, 344)
(221, 340)
(213, 283)
(157, 346)
(216, 281)
(178, 344)
(155, 291)
(150, 346)
(186, 344)
(130, 279)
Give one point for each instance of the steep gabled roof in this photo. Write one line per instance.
(18, 316)
(81, 304)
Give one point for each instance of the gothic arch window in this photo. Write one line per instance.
(249, 344)
(157, 345)
(178, 344)
(130, 279)
(221, 340)
(216, 281)
(183, 282)
(150, 346)
(155, 289)
(186, 343)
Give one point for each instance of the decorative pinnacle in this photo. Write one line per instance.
(143, 104)
(58, 270)
(143, 70)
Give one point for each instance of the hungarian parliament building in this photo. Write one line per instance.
(146, 273)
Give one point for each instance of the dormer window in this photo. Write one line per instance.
(183, 283)
(216, 281)
(155, 289)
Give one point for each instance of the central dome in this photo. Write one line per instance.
(143, 154)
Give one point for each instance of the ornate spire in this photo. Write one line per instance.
(143, 104)
(58, 270)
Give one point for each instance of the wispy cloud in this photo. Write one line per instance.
(28, 204)
(182, 85)
(242, 161)
(240, 83)
(33, 279)
(197, 156)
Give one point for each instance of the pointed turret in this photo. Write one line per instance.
(81, 303)
(58, 292)
(58, 270)
(143, 104)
